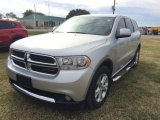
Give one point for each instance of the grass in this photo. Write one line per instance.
(36, 32)
(136, 96)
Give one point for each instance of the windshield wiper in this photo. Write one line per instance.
(78, 32)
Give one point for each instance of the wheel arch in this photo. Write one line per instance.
(106, 62)
(16, 38)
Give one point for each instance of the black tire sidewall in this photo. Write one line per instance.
(138, 51)
(91, 94)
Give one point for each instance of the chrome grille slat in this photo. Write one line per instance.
(44, 69)
(42, 65)
(19, 63)
(18, 54)
(42, 58)
(34, 62)
(15, 57)
(31, 61)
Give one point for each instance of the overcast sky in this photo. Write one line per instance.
(145, 12)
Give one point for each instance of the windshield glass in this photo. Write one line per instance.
(87, 25)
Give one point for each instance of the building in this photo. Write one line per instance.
(38, 20)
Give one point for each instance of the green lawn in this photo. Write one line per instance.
(36, 32)
(135, 96)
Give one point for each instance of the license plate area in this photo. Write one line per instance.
(24, 81)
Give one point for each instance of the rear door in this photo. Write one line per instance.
(5, 35)
(133, 40)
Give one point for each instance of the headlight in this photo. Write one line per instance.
(73, 62)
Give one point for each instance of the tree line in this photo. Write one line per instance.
(74, 12)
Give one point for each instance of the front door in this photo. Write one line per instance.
(122, 45)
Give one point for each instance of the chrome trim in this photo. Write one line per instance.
(31, 61)
(17, 65)
(43, 55)
(128, 68)
(121, 68)
(28, 62)
(117, 78)
(33, 94)
(49, 66)
(12, 56)
(52, 75)
(11, 53)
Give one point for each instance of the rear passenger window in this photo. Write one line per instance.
(129, 25)
(121, 24)
(3, 25)
(135, 25)
(11, 24)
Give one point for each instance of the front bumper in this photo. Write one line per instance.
(28, 93)
(72, 83)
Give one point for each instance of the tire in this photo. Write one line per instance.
(99, 88)
(136, 58)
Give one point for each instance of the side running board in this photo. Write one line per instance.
(122, 72)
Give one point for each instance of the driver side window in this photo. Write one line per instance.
(121, 24)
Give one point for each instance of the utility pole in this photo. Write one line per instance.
(48, 9)
(113, 7)
(34, 15)
(34, 8)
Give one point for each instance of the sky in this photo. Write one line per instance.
(145, 12)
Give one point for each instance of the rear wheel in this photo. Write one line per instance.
(99, 88)
(136, 58)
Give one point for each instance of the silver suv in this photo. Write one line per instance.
(77, 62)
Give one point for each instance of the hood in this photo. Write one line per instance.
(59, 44)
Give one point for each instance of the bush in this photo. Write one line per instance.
(28, 27)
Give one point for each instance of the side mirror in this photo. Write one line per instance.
(124, 32)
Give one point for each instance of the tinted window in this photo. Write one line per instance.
(11, 24)
(3, 25)
(121, 24)
(135, 25)
(129, 25)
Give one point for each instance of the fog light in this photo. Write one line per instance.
(67, 98)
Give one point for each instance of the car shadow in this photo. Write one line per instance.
(4, 49)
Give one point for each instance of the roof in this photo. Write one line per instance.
(103, 15)
(9, 20)
(43, 17)
(99, 15)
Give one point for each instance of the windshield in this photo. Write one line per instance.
(87, 25)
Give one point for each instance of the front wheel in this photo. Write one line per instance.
(99, 88)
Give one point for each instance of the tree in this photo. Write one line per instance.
(39, 13)
(76, 13)
(11, 15)
(29, 12)
(1, 15)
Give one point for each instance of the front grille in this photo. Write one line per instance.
(43, 59)
(19, 63)
(18, 54)
(44, 69)
(35, 62)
